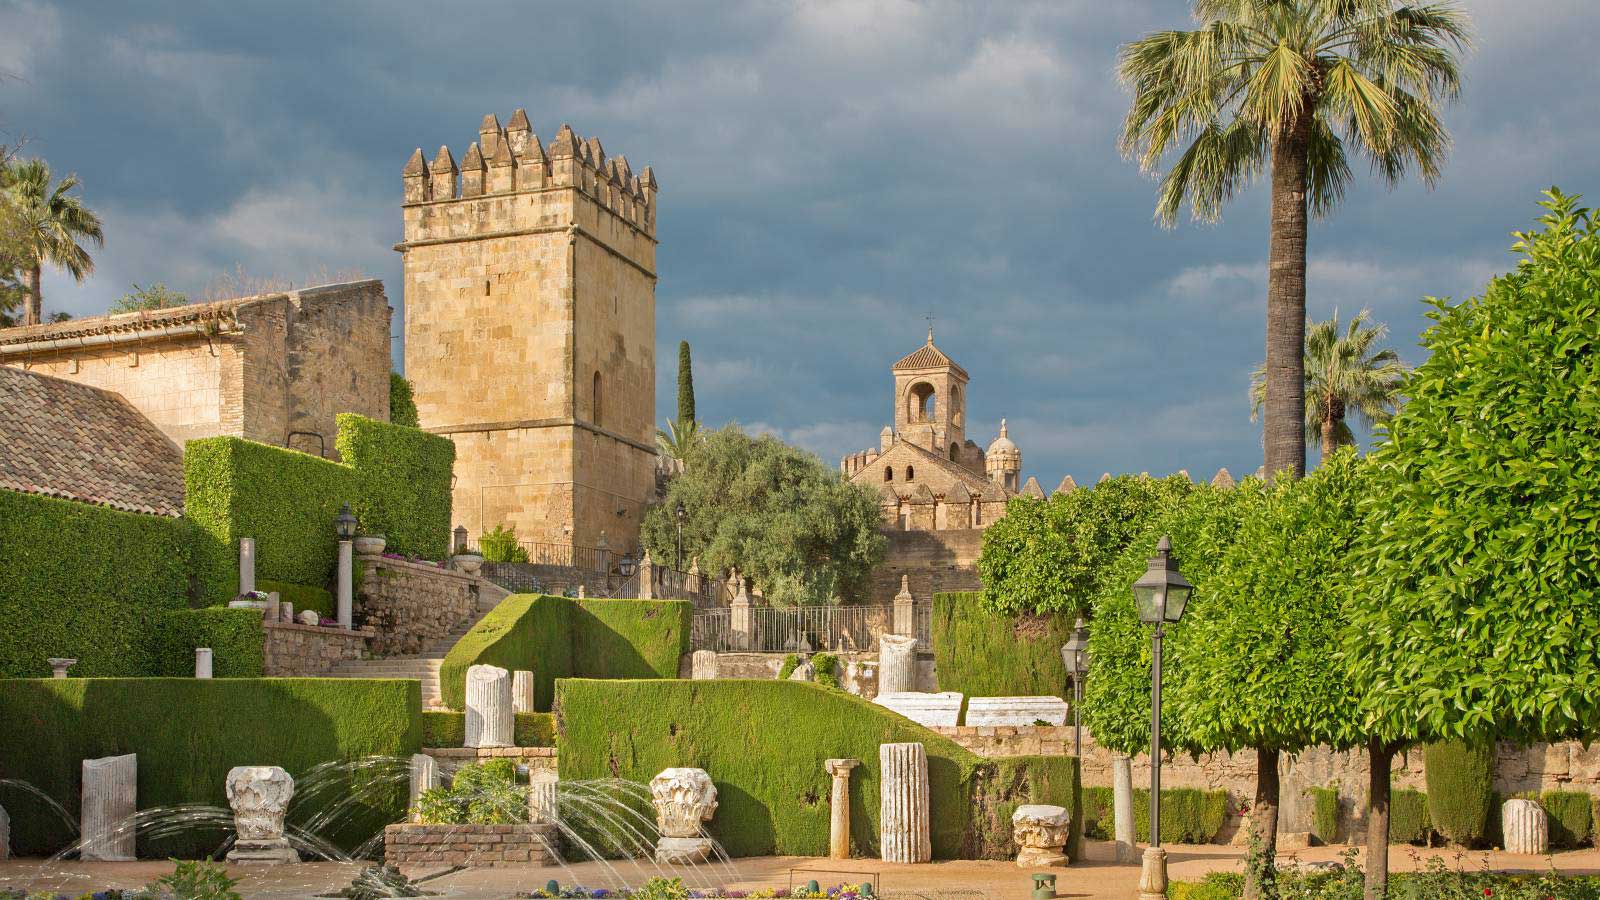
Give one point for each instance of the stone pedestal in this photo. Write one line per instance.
(839, 806)
(1122, 809)
(490, 718)
(286, 612)
(247, 565)
(346, 586)
(703, 665)
(60, 665)
(544, 803)
(905, 611)
(1526, 827)
(741, 622)
(522, 691)
(109, 802)
(424, 776)
(903, 812)
(202, 662)
(260, 796)
(1153, 876)
(897, 663)
(1041, 833)
(683, 798)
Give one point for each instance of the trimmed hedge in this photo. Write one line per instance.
(303, 596)
(188, 733)
(235, 637)
(441, 728)
(1324, 813)
(402, 478)
(1188, 815)
(1408, 818)
(1571, 816)
(1460, 777)
(763, 743)
(560, 637)
(986, 654)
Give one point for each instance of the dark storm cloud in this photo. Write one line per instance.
(832, 173)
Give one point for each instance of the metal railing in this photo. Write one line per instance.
(794, 628)
(591, 559)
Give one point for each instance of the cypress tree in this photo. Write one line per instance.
(685, 385)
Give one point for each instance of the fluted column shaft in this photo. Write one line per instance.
(110, 797)
(490, 716)
(903, 810)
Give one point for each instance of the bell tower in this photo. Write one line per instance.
(930, 401)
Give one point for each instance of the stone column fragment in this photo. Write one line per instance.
(544, 803)
(839, 801)
(202, 662)
(346, 596)
(522, 691)
(59, 666)
(5, 834)
(904, 832)
(1122, 809)
(703, 665)
(897, 663)
(490, 718)
(110, 799)
(1041, 834)
(683, 798)
(260, 797)
(247, 565)
(424, 776)
(1526, 827)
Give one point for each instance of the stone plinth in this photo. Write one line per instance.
(490, 718)
(522, 691)
(703, 665)
(109, 802)
(897, 664)
(60, 665)
(924, 709)
(202, 662)
(903, 811)
(1526, 827)
(260, 796)
(683, 798)
(839, 807)
(481, 846)
(1153, 875)
(1016, 711)
(1041, 833)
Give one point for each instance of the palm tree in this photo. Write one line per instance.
(1299, 85)
(1344, 376)
(46, 225)
(678, 439)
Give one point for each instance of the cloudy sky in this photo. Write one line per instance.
(832, 173)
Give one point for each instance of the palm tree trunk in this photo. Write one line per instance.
(1380, 757)
(1330, 431)
(1264, 817)
(1284, 435)
(33, 304)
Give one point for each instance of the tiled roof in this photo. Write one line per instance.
(70, 440)
(927, 357)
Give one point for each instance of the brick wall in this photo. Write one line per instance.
(299, 651)
(410, 605)
(437, 846)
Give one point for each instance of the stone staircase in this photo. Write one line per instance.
(425, 665)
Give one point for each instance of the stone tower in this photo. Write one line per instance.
(930, 401)
(530, 330)
(1004, 461)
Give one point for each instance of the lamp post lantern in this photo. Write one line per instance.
(681, 513)
(344, 526)
(1075, 656)
(627, 565)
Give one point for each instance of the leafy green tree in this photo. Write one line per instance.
(1345, 376)
(1048, 556)
(402, 401)
(1475, 610)
(1298, 84)
(780, 515)
(685, 385)
(145, 299)
(47, 225)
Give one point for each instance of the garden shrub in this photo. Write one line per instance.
(790, 663)
(826, 666)
(558, 637)
(763, 742)
(402, 478)
(499, 544)
(1324, 813)
(447, 728)
(189, 732)
(1571, 817)
(1188, 815)
(402, 401)
(483, 793)
(982, 653)
(1460, 777)
(1408, 817)
(303, 596)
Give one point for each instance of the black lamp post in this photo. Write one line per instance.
(1075, 655)
(1161, 594)
(681, 514)
(344, 526)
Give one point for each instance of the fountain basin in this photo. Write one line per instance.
(483, 846)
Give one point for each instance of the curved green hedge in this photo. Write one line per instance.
(763, 744)
(188, 733)
(987, 654)
(559, 637)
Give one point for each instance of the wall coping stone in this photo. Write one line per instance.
(490, 752)
(363, 632)
(378, 559)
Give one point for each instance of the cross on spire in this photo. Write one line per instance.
(929, 317)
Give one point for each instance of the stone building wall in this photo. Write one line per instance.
(410, 605)
(302, 651)
(525, 280)
(254, 367)
(935, 561)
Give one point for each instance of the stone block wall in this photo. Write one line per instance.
(411, 846)
(301, 651)
(410, 605)
(860, 676)
(935, 561)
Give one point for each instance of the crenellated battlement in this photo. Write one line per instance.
(511, 159)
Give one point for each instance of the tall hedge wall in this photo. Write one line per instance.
(763, 744)
(559, 637)
(986, 654)
(396, 480)
(188, 733)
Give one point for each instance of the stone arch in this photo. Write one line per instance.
(922, 403)
(955, 452)
(888, 473)
(958, 412)
(911, 473)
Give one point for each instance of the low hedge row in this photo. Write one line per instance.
(560, 637)
(303, 596)
(1409, 822)
(442, 728)
(1188, 815)
(986, 654)
(763, 744)
(188, 733)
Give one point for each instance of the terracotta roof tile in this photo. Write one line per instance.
(70, 440)
(927, 357)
